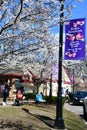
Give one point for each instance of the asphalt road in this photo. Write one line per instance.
(77, 109)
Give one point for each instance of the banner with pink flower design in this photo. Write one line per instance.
(75, 39)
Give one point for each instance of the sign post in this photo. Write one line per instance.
(59, 122)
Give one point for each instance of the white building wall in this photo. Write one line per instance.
(54, 89)
(66, 83)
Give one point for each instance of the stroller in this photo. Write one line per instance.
(19, 96)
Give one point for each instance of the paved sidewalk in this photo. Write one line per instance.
(11, 103)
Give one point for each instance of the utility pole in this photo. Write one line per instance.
(59, 122)
(73, 81)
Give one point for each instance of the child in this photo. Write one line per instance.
(19, 94)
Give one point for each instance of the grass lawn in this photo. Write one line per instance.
(36, 117)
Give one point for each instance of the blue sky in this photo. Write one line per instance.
(80, 11)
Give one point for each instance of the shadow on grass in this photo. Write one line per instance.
(12, 126)
(47, 120)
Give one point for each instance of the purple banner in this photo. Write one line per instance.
(75, 39)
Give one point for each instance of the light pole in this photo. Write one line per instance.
(50, 94)
(72, 74)
(73, 80)
(59, 122)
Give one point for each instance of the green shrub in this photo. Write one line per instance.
(53, 99)
(29, 96)
(65, 99)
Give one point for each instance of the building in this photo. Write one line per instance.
(16, 74)
(66, 82)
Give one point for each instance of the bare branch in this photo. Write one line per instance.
(21, 1)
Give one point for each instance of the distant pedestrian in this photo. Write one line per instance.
(67, 92)
(42, 94)
(19, 93)
(5, 92)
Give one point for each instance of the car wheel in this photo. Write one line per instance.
(84, 112)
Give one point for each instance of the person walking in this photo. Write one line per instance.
(5, 92)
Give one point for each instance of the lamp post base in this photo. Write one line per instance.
(59, 124)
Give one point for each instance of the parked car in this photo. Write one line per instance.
(78, 97)
(85, 108)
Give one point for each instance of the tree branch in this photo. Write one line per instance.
(19, 11)
(5, 27)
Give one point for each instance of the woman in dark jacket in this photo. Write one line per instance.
(5, 92)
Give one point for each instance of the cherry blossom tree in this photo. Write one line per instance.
(26, 37)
